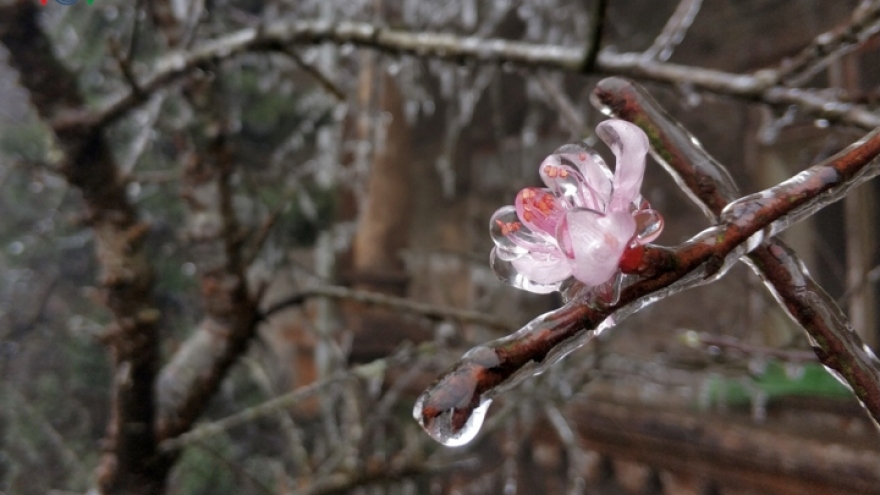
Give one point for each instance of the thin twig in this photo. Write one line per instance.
(316, 74)
(290, 399)
(726, 342)
(235, 468)
(399, 303)
(260, 236)
(674, 30)
(124, 63)
(564, 105)
(831, 45)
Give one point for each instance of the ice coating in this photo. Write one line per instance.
(581, 224)
(709, 184)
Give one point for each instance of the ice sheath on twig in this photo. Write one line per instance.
(709, 184)
(451, 410)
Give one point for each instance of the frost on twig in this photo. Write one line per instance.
(451, 410)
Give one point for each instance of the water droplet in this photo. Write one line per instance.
(649, 225)
(452, 411)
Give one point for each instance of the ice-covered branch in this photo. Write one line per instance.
(711, 187)
(674, 30)
(397, 303)
(829, 46)
(277, 35)
(452, 409)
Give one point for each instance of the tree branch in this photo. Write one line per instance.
(829, 46)
(711, 187)
(446, 408)
(130, 463)
(755, 87)
(368, 370)
(195, 371)
(674, 30)
(594, 42)
(398, 303)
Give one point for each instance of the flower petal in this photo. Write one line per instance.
(629, 145)
(593, 170)
(595, 242)
(541, 274)
(514, 239)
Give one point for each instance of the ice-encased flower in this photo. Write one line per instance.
(582, 222)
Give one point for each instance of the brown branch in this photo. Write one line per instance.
(709, 185)
(194, 373)
(316, 74)
(827, 47)
(290, 399)
(754, 458)
(447, 407)
(123, 61)
(399, 303)
(129, 463)
(594, 42)
(754, 87)
(260, 236)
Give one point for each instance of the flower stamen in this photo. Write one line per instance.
(508, 228)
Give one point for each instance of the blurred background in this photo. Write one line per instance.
(316, 214)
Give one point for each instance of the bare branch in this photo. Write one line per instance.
(725, 342)
(674, 30)
(564, 105)
(290, 399)
(827, 47)
(597, 29)
(446, 408)
(398, 303)
(710, 186)
(313, 71)
(196, 370)
(130, 462)
(757, 87)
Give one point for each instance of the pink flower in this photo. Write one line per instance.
(582, 222)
